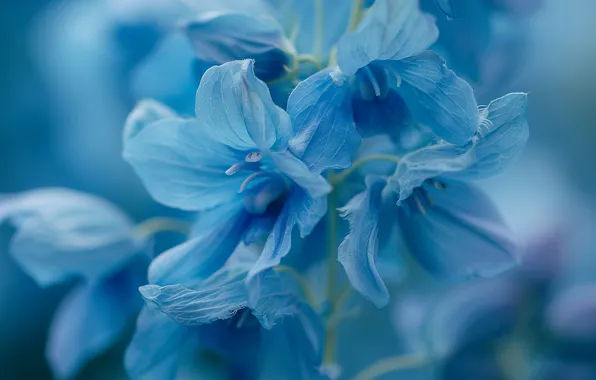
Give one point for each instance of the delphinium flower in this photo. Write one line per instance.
(63, 235)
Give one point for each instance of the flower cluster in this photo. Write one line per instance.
(327, 143)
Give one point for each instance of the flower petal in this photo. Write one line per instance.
(390, 30)
(155, 350)
(312, 182)
(91, 319)
(64, 233)
(221, 37)
(358, 252)
(299, 208)
(501, 137)
(436, 97)
(446, 7)
(456, 232)
(570, 314)
(235, 108)
(181, 166)
(146, 111)
(321, 114)
(200, 257)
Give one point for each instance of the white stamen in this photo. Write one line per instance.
(254, 157)
(249, 179)
(373, 81)
(235, 168)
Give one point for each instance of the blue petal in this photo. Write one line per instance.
(168, 74)
(502, 136)
(456, 232)
(294, 349)
(390, 30)
(91, 319)
(155, 350)
(63, 233)
(436, 97)
(473, 313)
(181, 166)
(446, 7)
(235, 108)
(358, 252)
(221, 37)
(200, 257)
(315, 184)
(145, 113)
(321, 114)
(299, 208)
(570, 314)
(429, 162)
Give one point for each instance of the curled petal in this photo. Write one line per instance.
(390, 30)
(145, 112)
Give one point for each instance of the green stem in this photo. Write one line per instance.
(152, 226)
(309, 59)
(329, 356)
(356, 16)
(357, 164)
(302, 282)
(385, 366)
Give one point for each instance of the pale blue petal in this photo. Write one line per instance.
(169, 74)
(91, 319)
(358, 252)
(429, 162)
(299, 208)
(181, 166)
(146, 112)
(570, 314)
(456, 232)
(436, 97)
(294, 349)
(501, 137)
(221, 37)
(235, 108)
(312, 182)
(472, 313)
(155, 350)
(390, 30)
(321, 114)
(200, 257)
(259, 229)
(64, 233)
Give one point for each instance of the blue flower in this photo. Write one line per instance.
(265, 331)
(63, 234)
(394, 79)
(244, 157)
(437, 212)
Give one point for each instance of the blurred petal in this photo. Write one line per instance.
(390, 30)
(181, 166)
(501, 137)
(358, 252)
(321, 114)
(436, 97)
(572, 312)
(446, 7)
(235, 108)
(91, 319)
(155, 350)
(457, 232)
(221, 37)
(200, 257)
(64, 233)
(145, 112)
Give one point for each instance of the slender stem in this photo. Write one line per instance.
(302, 282)
(330, 339)
(396, 363)
(319, 28)
(356, 16)
(309, 59)
(357, 164)
(154, 225)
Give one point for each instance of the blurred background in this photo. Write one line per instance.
(67, 84)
